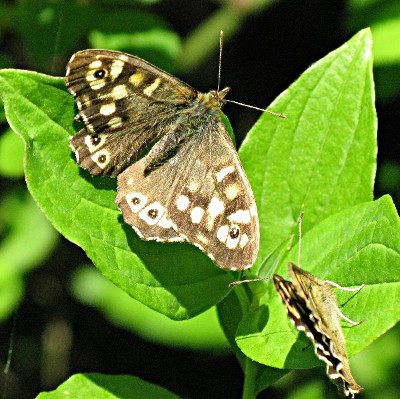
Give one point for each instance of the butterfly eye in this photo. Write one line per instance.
(135, 201)
(152, 213)
(102, 158)
(96, 140)
(99, 74)
(234, 232)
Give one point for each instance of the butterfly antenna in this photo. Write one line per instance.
(300, 234)
(221, 43)
(257, 108)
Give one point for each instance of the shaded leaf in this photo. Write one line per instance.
(103, 386)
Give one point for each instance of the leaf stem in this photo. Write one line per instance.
(249, 379)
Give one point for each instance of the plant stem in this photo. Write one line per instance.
(249, 379)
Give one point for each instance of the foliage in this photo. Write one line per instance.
(321, 159)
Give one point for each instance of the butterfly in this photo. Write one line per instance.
(312, 307)
(190, 185)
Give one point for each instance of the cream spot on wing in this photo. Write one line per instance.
(202, 238)
(196, 214)
(222, 233)
(116, 68)
(182, 203)
(115, 122)
(231, 191)
(253, 210)
(94, 142)
(224, 172)
(107, 109)
(97, 84)
(165, 223)
(136, 201)
(193, 186)
(152, 213)
(89, 127)
(149, 90)
(233, 237)
(215, 208)
(240, 216)
(138, 232)
(136, 78)
(95, 64)
(243, 240)
(83, 117)
(101, 158)
(211, 256)
(119, 92)
(85, 99)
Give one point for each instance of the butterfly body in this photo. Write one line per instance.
(312, 307)
(190, 185)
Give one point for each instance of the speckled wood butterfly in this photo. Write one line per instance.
(312, 307)
(191, 185)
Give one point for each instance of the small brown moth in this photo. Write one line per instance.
(312, 307)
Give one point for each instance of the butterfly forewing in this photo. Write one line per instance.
(115, 94)
(191, 185)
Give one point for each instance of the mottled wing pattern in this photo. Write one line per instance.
(191, 185)
(312, 307)
(116, 96)
(201, 193)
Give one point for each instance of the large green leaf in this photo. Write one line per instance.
(360, 245)
(174, 279)
(323, 156)
(322, 160)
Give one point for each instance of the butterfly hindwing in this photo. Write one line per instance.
(191, 185)
(205, 199)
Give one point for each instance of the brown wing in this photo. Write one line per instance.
(126, 105)
(199, 191)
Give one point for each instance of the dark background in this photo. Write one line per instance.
(270, 49)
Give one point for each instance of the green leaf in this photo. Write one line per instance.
(358, 245)
(322, 160)
(312, 160)
(175, 279)
(101, 386)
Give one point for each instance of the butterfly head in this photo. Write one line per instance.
(215, 99)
